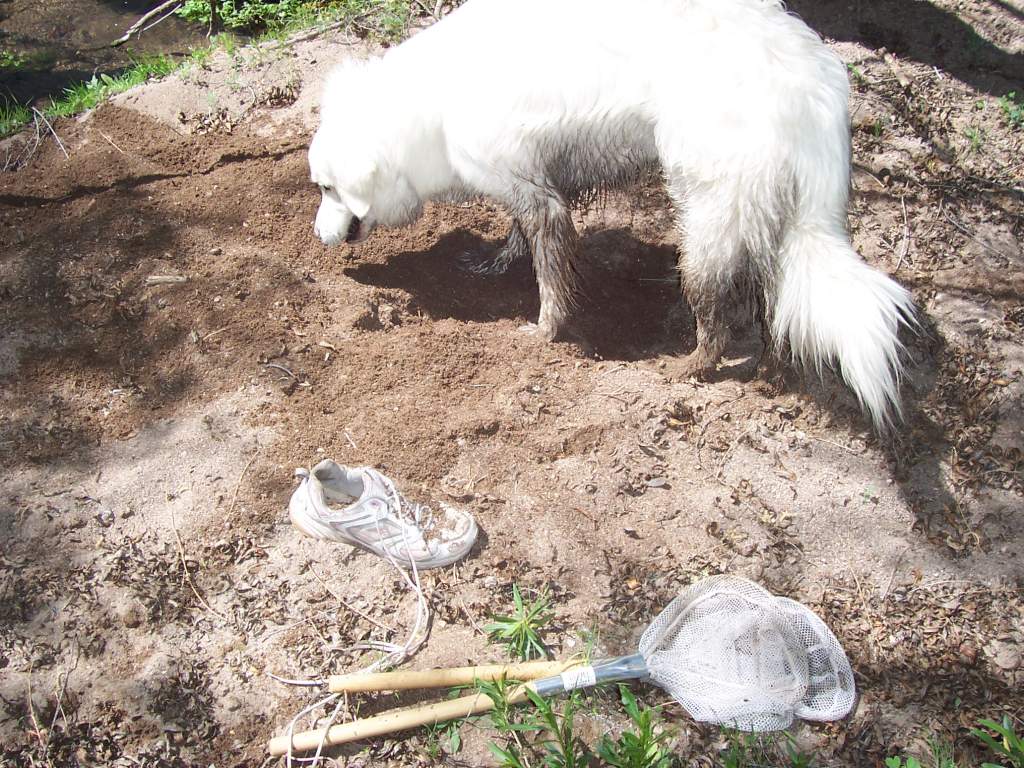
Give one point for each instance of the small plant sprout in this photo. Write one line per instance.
(523, 630)
(976, 136)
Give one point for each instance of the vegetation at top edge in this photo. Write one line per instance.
(386, 19)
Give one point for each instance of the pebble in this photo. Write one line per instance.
(1006, 656)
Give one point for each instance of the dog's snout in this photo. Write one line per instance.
(353, 229)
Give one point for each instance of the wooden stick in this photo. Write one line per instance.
(390, 722)
(405, 680)
(139, 24)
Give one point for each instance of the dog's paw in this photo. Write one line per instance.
(695, 365)
(770, 377)
(481, 264)
(541, 331)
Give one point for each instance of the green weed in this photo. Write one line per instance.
(522, 632)
(11, 60)
(976, 136)
(747, 750)
(899, 762)
(1005, 742)
(643, 747)
(1012, 106)
(443, 738)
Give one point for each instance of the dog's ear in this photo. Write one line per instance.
(357, 206)
(358, 196)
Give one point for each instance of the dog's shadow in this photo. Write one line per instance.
(630, 306)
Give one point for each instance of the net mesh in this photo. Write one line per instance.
(734, 654)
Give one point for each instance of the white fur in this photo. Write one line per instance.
(740, 104)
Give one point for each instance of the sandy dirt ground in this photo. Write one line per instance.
(150, 581)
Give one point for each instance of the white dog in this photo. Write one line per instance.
(535, 102)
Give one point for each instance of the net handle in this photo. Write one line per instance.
(363, 682)
(391, 722)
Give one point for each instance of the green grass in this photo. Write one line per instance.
(86, 95)
(83, 96)
(545, 736)
(522, 631)
(12, 117)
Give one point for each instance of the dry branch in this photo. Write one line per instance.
(138, 25)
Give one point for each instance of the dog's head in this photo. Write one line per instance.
(357, 162)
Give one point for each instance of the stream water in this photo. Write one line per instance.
(64, 41)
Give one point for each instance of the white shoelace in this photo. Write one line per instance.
(394, 654)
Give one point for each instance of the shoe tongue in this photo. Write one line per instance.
(374, 484)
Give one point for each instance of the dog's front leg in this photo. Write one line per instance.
(547, 226)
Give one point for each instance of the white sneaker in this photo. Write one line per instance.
(374, 516)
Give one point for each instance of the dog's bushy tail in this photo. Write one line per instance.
(833, 309)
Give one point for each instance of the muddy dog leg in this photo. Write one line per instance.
(515, 248)
(547, 227)
(712, 257)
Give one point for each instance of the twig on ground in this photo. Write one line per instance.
(426, 10)
(219, 331)
(188, 575)
(165, 279)
(238, 483)
(963, 228)
(44, 745)
(138, 25)
(303, 683)
(281, 368)
(895, 568)
(905, 244)
(110, 141)
(469, 616)
(348, 605)
(837, 445)
(310, 34)
(166, 15)
(40, 116)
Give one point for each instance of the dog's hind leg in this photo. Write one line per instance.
(547, 227)
(515, 248)
(712, 258)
